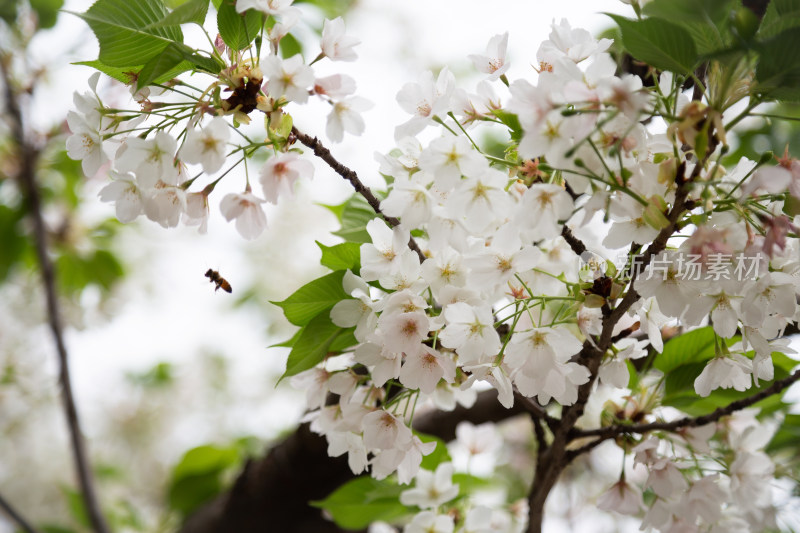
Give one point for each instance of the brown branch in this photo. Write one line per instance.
(620, 429)
(27, 181)
(575, 243)
(351, 176)
(15, 516)
(535, 409)
(552, 461)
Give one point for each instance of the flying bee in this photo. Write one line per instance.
(221, 282)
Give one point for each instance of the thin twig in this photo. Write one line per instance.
(351, 176)
(575, 243)
(536, 410)
(15, 516)
(27, 179)
(620, 429)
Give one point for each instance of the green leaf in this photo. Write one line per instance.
(290, 46)
(122, 29)
(511, 121)
(438, 456)
(780, 16)
(193, 11)
(331, 8)
(126, 75)
(167, 60)
(238, 30)
(659, 43)
(344, 256)
(345, 340)
(706, 21)
(313, 344)
(713, 11)
(173, 60)
(355, 216)
(198, 476)
(778, 71)
(289, 342)
(14, 241)
(691, 347)
(76, 506)
(787, 436)
(8, 11)
(358, 503)
(467, 483)
(46, 11)
(313, 297)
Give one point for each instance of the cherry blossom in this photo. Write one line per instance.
(279, 174)
(494, 62)
(335, 44)
(206, 146)
(288, 77)
(246, 209)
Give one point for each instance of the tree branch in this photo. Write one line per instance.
(27, 181)
(575, 243)
(350, 175)
(15, 516)
(620, 429)
(533, 407)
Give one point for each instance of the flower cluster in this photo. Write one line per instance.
(151, 153)
(497, 297)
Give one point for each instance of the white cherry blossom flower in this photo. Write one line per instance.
(405, 460)
(165, 204)
(623, 498)
(470, 331)
(494, 62)
(358, 311)
(424, 368)
(85, 144)
(431, 489)
(542, 206)
(384, 364)
(479, 201)
(704, 499)
(246, 209)
(410, 200)
(197, 211)
(125, 194)
(288, 77)
(404, 331)
(268, 7)
(280, 172)
(574, 44)
(540, 359)
(732, 371)
(382, 256)
(384, 431)
(335, 87)
(150, 159)
(346, 117)
(206, 146)
(348, 442)
(448, 158)
(494, 265)
(424, 100)
(335, 44)
(430, 522)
